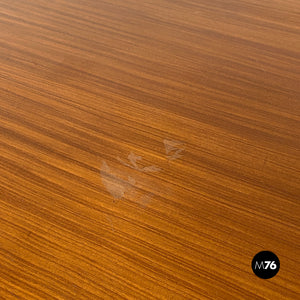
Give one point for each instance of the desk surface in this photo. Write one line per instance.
(148, 149)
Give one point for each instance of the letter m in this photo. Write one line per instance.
(261, 265)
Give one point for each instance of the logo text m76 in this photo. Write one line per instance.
(265, 265)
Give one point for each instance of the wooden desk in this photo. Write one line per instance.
(148, 149)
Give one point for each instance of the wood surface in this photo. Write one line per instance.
(148, 149)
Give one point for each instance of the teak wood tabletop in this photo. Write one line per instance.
(149, 149)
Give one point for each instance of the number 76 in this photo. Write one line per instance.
(270, 264)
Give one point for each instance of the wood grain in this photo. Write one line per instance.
(148, 149)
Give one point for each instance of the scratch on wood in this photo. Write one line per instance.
(145, 200)
(109, 219)
(133, 159)
(173, 149)
(115, 185)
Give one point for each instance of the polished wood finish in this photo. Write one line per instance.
(148, 149)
